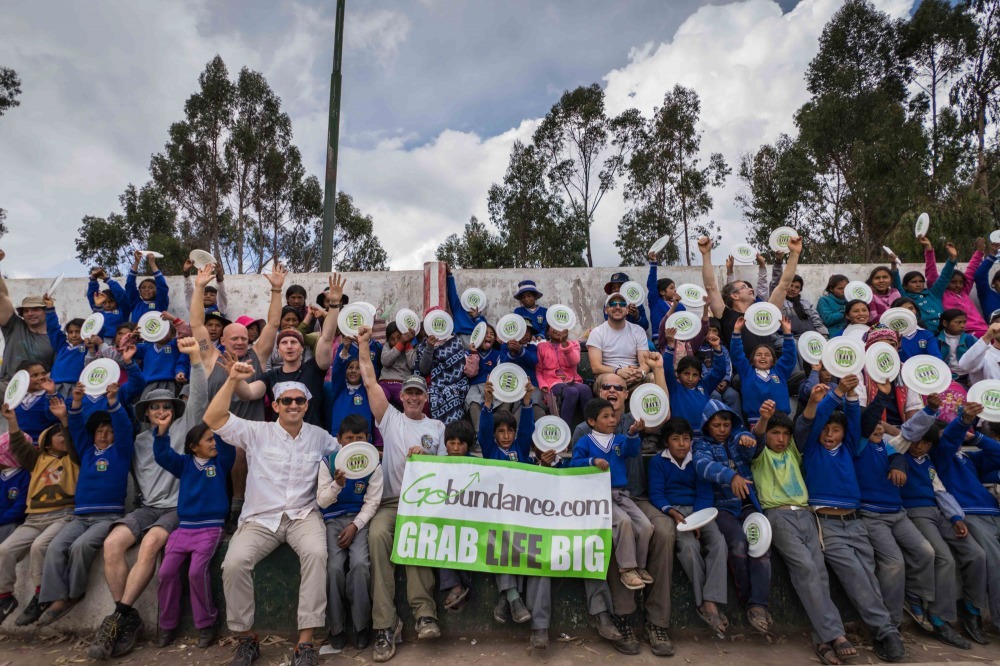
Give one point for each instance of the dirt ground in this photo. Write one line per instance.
(693, 647)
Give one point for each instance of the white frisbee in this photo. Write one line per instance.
(560, 317)
(856, 290)
(474, 299)
(692, 295)
(758, 532)
(54, 285)
(778, 240)
(509, 381)
(811, 346)
(478, 335)
(152, 253)
(743, 253)
(882, 362)
(698, 519)
(511, 327)
(352, 317)
(152, 328)
(843, 356)
(439, 324)
(857, 332)
(200, 258)
(762, 318)
(17, 389)
(995, 236)
(900, 320)
(633, 292)
(660, 243)
(407, 320)
(888, 251)
(92, 325)
(551, 434)
(356, 460)
(987, 394)
(650, 403)
(99, 375)
(923, 225)
(926, 375)
(687, 325)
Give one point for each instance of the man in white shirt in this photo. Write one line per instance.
(403, 433)
(283, 462)
(617, 346)
(982, 360)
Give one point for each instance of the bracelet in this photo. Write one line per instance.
(334, 307)
(274, 290)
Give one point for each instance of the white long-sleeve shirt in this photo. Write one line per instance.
(981, 361)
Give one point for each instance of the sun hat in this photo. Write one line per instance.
(159, 395)
(32, 301)
(525, 287)
(247, 321)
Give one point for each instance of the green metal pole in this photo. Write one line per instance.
(332, 147)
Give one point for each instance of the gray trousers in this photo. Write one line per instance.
(536, 592)
(68, 559)
(904, 560)
(849, 553)
(660, 566)
(348, 576)
(33, 536)
(949, 550)
(986, 530)
(703, 559)
(7, 530)
(630, 531)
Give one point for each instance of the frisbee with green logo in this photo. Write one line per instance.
(439, 324)
(353, 317)
(152, 328)
(478, 335)
(843, 356)
(810, 347)
(762, 318)
(356, 460)
(926, 375)
(692, 295)
(473, 299)
(17, 389)
(551, 434)
(407, 321)
(686, 324)
(856, 290)
(743, 253)
(650, 403)
(758, 532)
(778, 240)
(633, 292)
(900, 320)
(92, 325)
(882, 362)
(922, 226)
(201, 258)
(987, 394)
(511, 327)
(99, 375)
(509, 381)
(560, 317)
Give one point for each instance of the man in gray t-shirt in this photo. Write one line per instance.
(24, 335)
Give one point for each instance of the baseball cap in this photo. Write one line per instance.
(415, 381)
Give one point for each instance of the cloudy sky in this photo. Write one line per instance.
(435, 93)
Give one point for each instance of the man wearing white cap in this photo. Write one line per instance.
(403, 433)
(283, 461)
(24, 335)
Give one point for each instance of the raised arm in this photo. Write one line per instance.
(6, 305)
(324, 348)
(788, 274)
(208, 351)
(217, 413)
(376, 396)
(715, 302)
(265, 343)
(941, 283)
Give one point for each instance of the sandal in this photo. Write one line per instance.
(714, 621)
(455, 599)
(827, 654)
(758, 618)
(845, 648)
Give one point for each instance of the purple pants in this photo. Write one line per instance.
(574, 396)
(200, 544)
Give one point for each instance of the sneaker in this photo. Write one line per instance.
(501, 611)
(628, 644)
(49, 615)
(659, 640)
(305, 655)
(539, 639)
(519, 612)
(362, 637)
(385, 642)
(130, 631)
(645, 576)
(631, 579)
(427, 628)
(9, 604)
(949, 636)
(338, 641)
(31, 614)
(605, 626)
(973, 625)
(206, 637)
(247, 651)
(889, 648)
(166, 637)
(107, 635)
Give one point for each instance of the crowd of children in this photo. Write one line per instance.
(856, 476)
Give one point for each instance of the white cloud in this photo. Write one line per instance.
(378, 34)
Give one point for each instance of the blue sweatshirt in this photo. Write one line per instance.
(69, 359)
(162, 362)
(352, 497)
(33, 415)
(658, 307)
(527, 358)
(463, 322)
(919, 488)
(921, 342)
(689, 403)
(929, 300)
(343, 400)
(103, 474)
(988, 298)
(774, 387)
(13, 495)
(829, 474)
(520, 449)
(537, 318)
(111, 317)
(587, 450)
(872, 463)
(718, 463)
(487, 362)
(670, 486)
(958, 469)
(202, 500)
(138, 307)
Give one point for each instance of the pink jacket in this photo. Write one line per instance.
(881, 303)
(975, 324)
(557, 364)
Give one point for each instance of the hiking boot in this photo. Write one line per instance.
(659, 640)
(166, 637)
(385, 642)
(605, 626)
(8, 605)
(501, 611)
(427, 628)
(107, 635)
(539, 639)
(30, 614)
(519, 612)
(949, 636)
(247, 651)
(973, 625)
(130, 631)
(628, 644)
(206, 637)
(338, 641)
(889, 648)
(362, 637)
(305, 655)
(631, 579)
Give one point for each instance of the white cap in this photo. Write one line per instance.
(283, 387)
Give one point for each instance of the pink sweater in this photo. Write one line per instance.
(557, 364)
(975, 324)
(881, 303)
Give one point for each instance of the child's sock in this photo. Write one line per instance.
(970, 609)
(513, 594)
(6, 595)
(937, 621)
(38, 590)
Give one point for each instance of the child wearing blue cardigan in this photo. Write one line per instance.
(500, 435)
(151, 295)
(763, 379)
(689, 387)
(68, 346)
(202, 507)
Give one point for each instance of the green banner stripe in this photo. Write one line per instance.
(524, 467)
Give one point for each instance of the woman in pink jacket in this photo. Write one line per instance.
(957, 293)
(883, 293)
(558, 359)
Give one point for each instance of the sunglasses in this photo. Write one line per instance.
(613, 387)
(617, 304)
(299, 400)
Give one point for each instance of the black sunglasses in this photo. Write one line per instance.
(613, 387)
(299, 400)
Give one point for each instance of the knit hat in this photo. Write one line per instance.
(881, 334)
(290, 333)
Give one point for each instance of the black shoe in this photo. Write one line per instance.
(7, 606)
(30, 614)
(519, 612)
(362, 637)
(247, 651)
(973, 625)
(166, 637)
(206, 637)
(949, 636)
(605, 626)
(628, 644)
(501, 612)
(107, 635)
(659, 640)
(338, 641)
(539, 639)
(129, 634)
(305, 655)
(385, 642)
(889, 648)
(427, 628)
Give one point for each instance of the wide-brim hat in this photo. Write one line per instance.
(32, 301)
(527, 287)
(159, 395)
(218, 315)
(617, 278)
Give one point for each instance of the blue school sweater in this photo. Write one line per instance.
(13, 495)
(872, 463)
(919, 488)
(921, 342)
(103, 474)
(527, 359)
(689, 403)
(830, 476)
(537, 318)
(138, 307)
(33, 415)
(520, 449)
(658, 307)
(69, 359)
(488, 361)
(463, 322)
(717, 463)
(958, 469)
(670, 486)
(343, 400)
(202, 500)
(774, 387)
(161, 363)
(988, 298)
(351, 498)
(129, 392)
(111, 317)
(587, 449)
(374, 351)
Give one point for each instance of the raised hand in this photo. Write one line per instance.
(786, 325)
(705, 245)
(738, 326)
(952, 251)
(488, 395)
(730, 263)
(112, 393)
(48, 385)
(654, 360)
(277, 276)
(795, 245)
(528, 390)
(970, 411)
(980, 245)
(128, 353)
(187, 345)
(49, 303)
(8, 413)
(766, 410)
(79, 390)
(817, 393)
(188, 267)
(925, 243)
(337, 282)
(241, 371)
(636, 427)
(57, 407)
(847, 385)
(669, 335)
(761, 261)
(713, 340)
(365, 334)
(205, 275)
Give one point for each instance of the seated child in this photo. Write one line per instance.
(688, 388)
(348, 506)
(675, 489)
(152, 293)
(781, 490)
(834, 494)
(465, 320)
(112, 302)
(761, 379)
(524, 352)
(33, 413)
(13, 491)
(722, 457)
(954, 341)
(70, 352)
(202, 507)
(528, 295)
(345, 394)
(479, 363)
(501, 437)
(163, 364)
(459, 438)
(444, 362)
(630, 528)
(558, 359)
(398, 359)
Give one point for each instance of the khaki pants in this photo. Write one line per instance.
(419, 580)
(252, 543)
(34, 535)
(660, 566)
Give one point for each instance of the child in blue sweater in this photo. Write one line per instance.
(152, 293)
(202, 507)
(70, 352)
(479, 363)
(761, 379)
(676, 490)
(33, 412)
(163, 364)
(501, 437)
(459, 438)
(104, 444)
(524, 352)
(465, 321)
(527, 295)
(348, 505)
(14, 481)
(689, 389)
(828, 453)
(112, 303)
(630, 528)
(345, 394)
